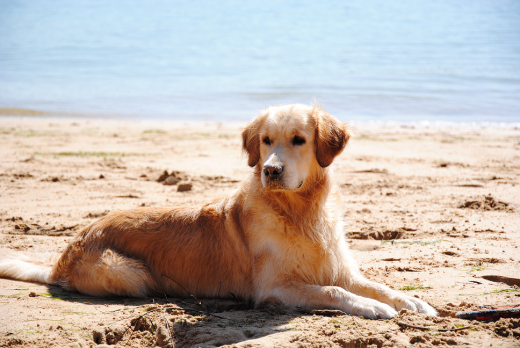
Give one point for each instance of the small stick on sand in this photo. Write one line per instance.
(183, 288)
(400, 323)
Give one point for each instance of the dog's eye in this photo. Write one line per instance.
(297, 140)
(267, 141)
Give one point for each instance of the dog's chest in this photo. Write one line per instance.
(309, 255)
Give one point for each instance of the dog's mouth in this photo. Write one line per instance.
(277, 185)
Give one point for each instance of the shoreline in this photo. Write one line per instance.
(420, 123)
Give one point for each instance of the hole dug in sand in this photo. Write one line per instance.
(486, 203)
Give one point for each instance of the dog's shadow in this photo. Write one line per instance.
(185, 322)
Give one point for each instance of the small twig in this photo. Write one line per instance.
(153, 325)
(206, 313)
(456, 329)
(168, 327)
(183, 288)
(128, 328)
(117, 310)
(166, 297)
(400, 323)
(177, 307)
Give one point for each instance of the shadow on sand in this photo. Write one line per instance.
(185, 322)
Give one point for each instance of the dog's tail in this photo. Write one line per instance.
(34, 267)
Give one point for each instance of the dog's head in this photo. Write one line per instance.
(291, 143)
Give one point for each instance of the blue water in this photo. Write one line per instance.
(405, 60)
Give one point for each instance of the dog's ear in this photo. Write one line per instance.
(251, 142)
(330, 139)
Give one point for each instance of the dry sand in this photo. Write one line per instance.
(431, 210)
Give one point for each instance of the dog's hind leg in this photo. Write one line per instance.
(103, 273)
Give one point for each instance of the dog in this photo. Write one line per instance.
(278, 240)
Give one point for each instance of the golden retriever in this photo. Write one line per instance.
(277, 240)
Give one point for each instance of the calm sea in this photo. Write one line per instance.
(404, 60)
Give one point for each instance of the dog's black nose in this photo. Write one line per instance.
(272, 170)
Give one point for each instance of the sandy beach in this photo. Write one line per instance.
(433, 211)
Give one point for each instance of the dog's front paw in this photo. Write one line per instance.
(416, 305)
(372, 309)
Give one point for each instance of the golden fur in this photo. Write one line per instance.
(278, 239)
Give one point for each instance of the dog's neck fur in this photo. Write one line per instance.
(304, 209)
